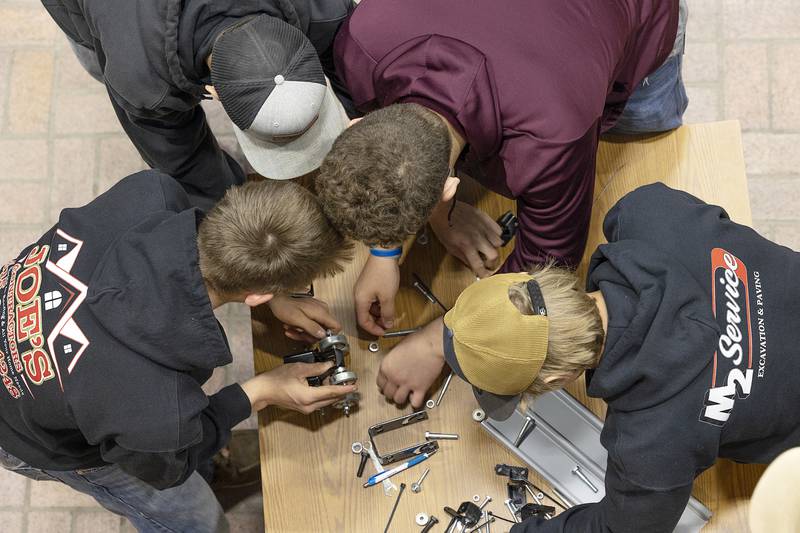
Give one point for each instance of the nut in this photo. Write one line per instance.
(374, 347)
(478, 415)
(476, 498)
(356, 447)
(422, 519)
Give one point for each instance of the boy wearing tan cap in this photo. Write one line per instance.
(687, 329)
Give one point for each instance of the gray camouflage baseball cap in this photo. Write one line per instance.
(270, 81)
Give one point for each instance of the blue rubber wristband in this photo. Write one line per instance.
(394, 252)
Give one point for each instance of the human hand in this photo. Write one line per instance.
(411, 367)
(304, 319)
(471, 235)
(286, 386)
(374, 294)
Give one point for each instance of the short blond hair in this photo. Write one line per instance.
(268, 237)
(575, 330)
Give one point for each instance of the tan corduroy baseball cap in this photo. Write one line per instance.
(494, 347)
(775, 505)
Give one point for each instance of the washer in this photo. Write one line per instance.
(374, 347)
(430, 404)
(356, 447)
(478, 415)
(422, 519)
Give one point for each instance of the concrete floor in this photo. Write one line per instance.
(61, 145)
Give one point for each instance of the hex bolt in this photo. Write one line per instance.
(512, 510)
(578, 472)
(432, 522)
(417, 485)
(430, 435)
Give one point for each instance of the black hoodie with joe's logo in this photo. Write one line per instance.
(107, 336)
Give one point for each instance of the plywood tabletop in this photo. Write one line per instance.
(308, 470)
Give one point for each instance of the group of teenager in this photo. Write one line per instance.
(108, 330)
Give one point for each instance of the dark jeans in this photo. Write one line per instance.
(660, 100)
(187, 508)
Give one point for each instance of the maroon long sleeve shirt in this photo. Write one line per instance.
(530, 84)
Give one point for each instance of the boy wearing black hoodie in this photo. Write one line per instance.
(687, 330)
(108, 333)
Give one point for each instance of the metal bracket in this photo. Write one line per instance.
(397, 423)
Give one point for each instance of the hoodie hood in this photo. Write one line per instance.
(658, 317)
(148, 294)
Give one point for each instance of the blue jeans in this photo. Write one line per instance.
(187, 508)
(660, 100)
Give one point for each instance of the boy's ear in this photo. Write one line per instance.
(450, 188)
(254, 300)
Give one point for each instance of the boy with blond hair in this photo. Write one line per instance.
(672, 332)
(109, 333)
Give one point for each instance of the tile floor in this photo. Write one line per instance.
(60, 146)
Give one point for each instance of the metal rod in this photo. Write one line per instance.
(397, 501)
(444, 389)
(401, 332)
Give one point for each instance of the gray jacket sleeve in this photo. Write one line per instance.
(180, 144)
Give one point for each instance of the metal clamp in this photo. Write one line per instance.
(397, 423)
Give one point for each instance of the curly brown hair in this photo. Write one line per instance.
(268, 237)
(385, 174)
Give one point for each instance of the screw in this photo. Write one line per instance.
(400, 332)
(432, 522)
(525, 430)
(485, 502)
(578, 472)
(444, 389)
(429, 435)
(363, 463)
(417, 486)
(397, 501)
(511, 510)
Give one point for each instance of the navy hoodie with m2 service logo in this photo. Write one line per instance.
(107, 336)
(700, 358)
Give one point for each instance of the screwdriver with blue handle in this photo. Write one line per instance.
(417, 459)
